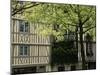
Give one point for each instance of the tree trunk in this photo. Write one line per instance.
(82, 47)
(76, 38)
(81, 38)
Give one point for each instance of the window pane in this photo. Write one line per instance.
(21, 25)
(21, 50)
(26, 27)
(25, 50)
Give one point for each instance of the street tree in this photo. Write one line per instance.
(57, 19)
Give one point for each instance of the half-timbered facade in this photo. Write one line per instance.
(28, 48)
(31, 52)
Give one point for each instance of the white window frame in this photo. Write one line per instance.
(21, 22)
(23, 50)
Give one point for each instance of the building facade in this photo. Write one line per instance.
(31, 52)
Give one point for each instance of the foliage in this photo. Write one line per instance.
(63, 52)
(59, 19)
(19, 7)
(67, 17)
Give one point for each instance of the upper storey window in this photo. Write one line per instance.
(23, 26)
(24, 50)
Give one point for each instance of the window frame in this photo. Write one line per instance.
(26, 26)
(23, 50)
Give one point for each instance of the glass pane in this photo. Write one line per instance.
(21, 23)
(21, 50)
(25, 50)
(26, 27)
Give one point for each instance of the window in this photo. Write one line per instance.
(24, 50)
(89, 51)
(24, 26)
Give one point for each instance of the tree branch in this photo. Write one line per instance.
(88, 17)
(90, 24)
(24, 8)
(72, 8)
(89, 29)
(72, 24)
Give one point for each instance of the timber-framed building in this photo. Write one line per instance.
(31, 53)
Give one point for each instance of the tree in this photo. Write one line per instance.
(80, 19)
(86, 21)
(19, 7)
